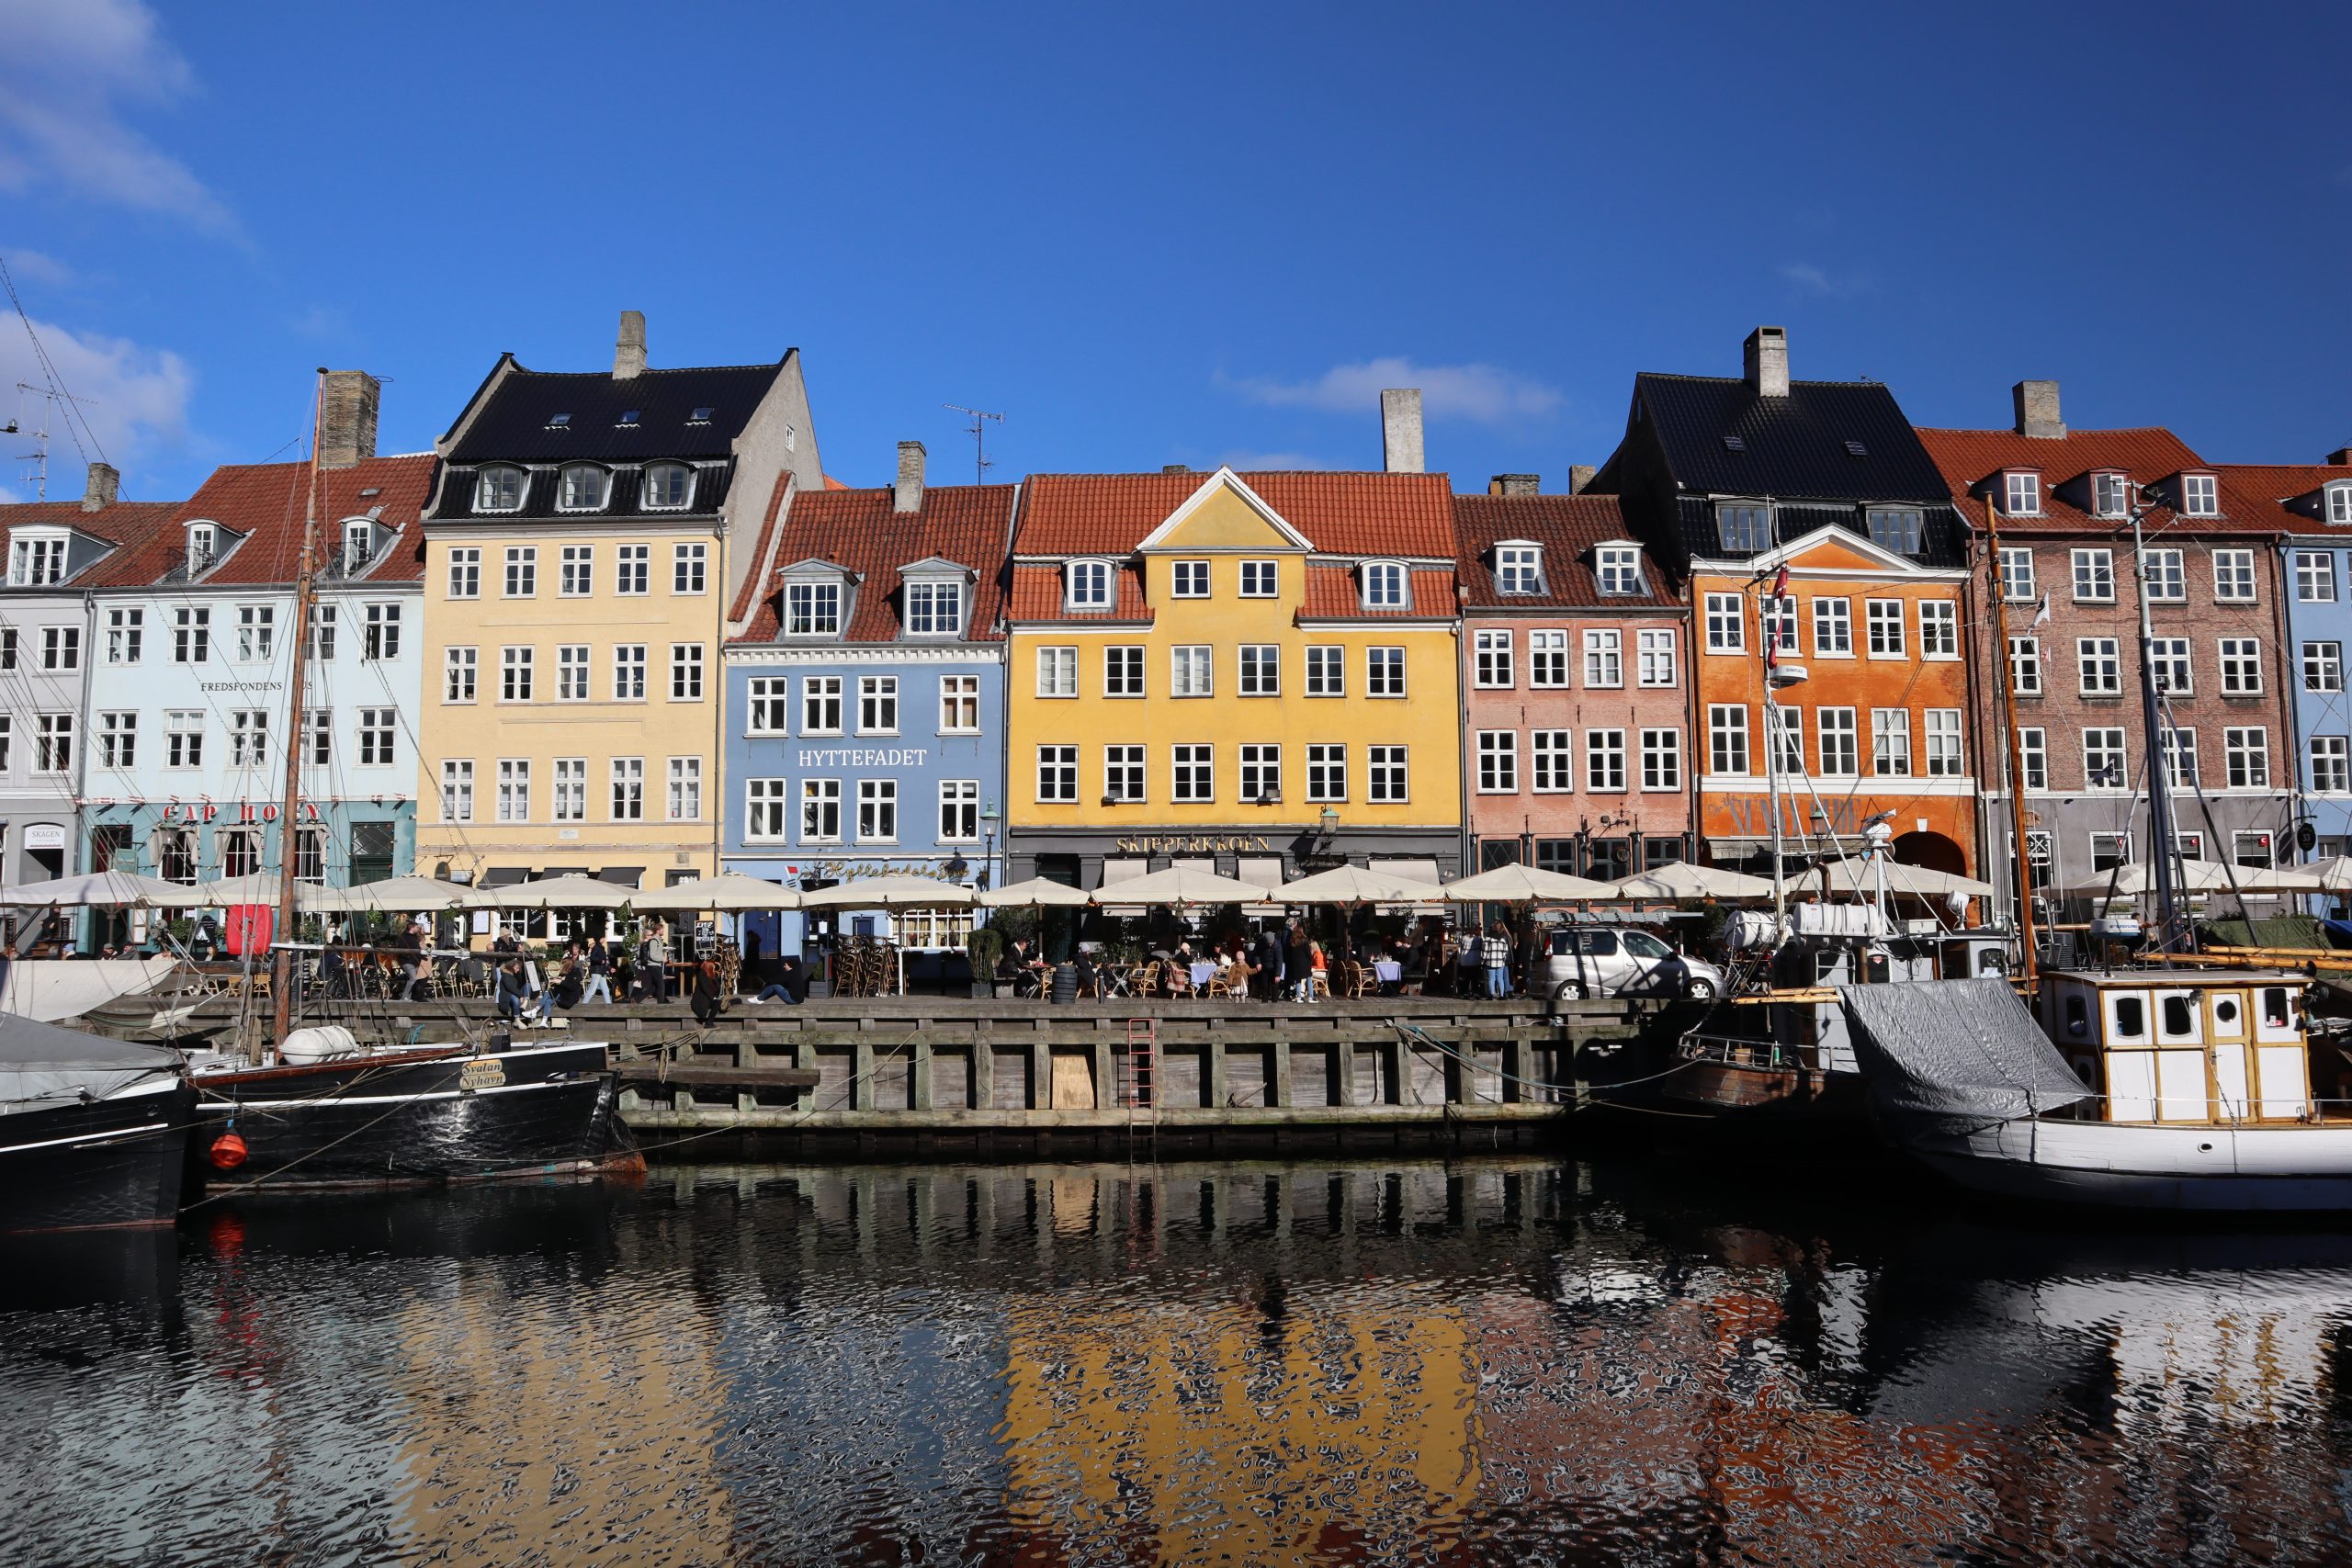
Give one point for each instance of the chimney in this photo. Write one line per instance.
(103, 487)
(2340, 458)
(1175, 467)
(1580, 478)
(1515, 484)
(1400, 430)
(347, 401)
(1765, 359)
(907, 495)
(628, 350)
(2036, 406)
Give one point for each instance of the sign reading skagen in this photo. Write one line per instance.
(1179, 843)
(849, 757)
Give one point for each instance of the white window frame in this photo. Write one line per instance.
(1726, 624)
(1617, 569)
(2200, 495)
(1189, 579)
(1833, 626)
(1056, 671)
(1497, 751)
(1493, 658)
(1604, 658)
(1938, 629)
(570, 481)
(2017, 574)
(2021, 493)
(1891, 743)
(1659, 657)
(1192, 670)
(2099, 666)
(2241, 660)
(1089, 587)
(2233, 578)
(490, 486)
(1387, 586)
(2093, 576)
(2315, 577)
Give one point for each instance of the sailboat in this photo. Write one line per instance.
(308, 1108)
(92, 1132)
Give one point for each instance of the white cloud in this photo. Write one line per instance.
(1815, 281)
(1484, 394)
(133, 399)
(68, 74)
(38, 267)
(1273, 462)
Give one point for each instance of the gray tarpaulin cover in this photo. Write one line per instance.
(1955, 1054)
(41, 1063)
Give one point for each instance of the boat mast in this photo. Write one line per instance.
(305, 592)
(2005, 672)
(2159, 759)
(1771, 619)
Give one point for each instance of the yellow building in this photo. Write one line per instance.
(1258, 671)
(585, 540)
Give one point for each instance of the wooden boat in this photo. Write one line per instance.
(92, 1132)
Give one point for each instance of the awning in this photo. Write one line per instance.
(1411, 870)
(1266, 871)
(544, 872)
(1117, 870)
(626, 876)
(502, 876)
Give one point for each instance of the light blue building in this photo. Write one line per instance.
(2311, 505)
(864, 694)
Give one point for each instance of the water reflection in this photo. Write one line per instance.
(1497, 1361)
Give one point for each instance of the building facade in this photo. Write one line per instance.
(55, 549)
(1576, 647)
(2071, 584)
(191, 653)
(865, 685)
(1819, 542)
(581, 546)
(2309, 506)
(1256, 672)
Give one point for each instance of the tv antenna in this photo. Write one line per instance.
(38, 456)
(979, 432)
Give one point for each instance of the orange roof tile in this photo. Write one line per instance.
(265, 504)
(1333, 593)
(2268, 490)
(1568, 527)
(1038, 596)
(860, 530)
(1346, 514)
(1972, 459)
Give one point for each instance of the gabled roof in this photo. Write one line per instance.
(1793, 447)
(2272, 495)
(1972, 461)
(511, 421)
(860, 531)
(1341, 513)
(1568, 527)
(264, 504)
(117, 524)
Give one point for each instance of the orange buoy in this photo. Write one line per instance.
(228, 1152)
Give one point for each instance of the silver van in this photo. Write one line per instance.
(1620, 961)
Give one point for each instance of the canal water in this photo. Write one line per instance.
(1509, 1361)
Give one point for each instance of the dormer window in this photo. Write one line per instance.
(1518, 569)
(1894, 528)
(36, 563)
(499, 489)
(1088, 585)
(1744, 526)
(1384, 585)
(813, 609)
(2021, 494)
(668, 487)
(582, 487)
(359, 544)
(2338, 510)
(934, 609)
(2110, 495)
(1618, 568)
(203, 547)
(2200, 496)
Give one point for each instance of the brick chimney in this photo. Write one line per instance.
(629, 349)
(907, 495)
(2340, 458)
(1175, 467)
(348, 403)
(2036, 406)
(1400, 430)
(102, 489)
(1580, 478)
(1765, 361)
(1515, 484)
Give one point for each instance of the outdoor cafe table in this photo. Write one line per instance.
(1115, 979)
(1203, 974)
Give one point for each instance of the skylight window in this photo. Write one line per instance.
(373, 490)
(557, 420)
(1856, 449)
(701, 415)
(628, 416)
(1734, 444)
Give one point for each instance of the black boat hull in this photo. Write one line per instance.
(95, 1165)
(393, 1120)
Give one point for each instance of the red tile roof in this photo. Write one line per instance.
(1333, 593)
(1567, 526)
(860, 530)
(124, 522)
(265, 503)
(1971, 462)
(1038, 596)
(1346, 514)
(2265, 491)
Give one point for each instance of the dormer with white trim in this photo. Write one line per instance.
(2336, 503)
(359, 545)
(1617, 568)
(1384, 585)
(2019, 490)
(49, 555)
(816, 598)
(1091, 586)
(2194, 493)
(934, 599)
(204, 544)
(1518, 565)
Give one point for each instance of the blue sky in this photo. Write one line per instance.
(1193, 235)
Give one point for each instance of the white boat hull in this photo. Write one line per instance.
(2283, 1168)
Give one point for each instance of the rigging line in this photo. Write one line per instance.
(74, 414)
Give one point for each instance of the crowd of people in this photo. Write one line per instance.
(1285, 961)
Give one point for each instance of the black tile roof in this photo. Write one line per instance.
(1943, 542)
(511, 423)
(1793, 447)
(457, 490)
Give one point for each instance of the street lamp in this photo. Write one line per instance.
(989, 820)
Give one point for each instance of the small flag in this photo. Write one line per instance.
(2044, 614)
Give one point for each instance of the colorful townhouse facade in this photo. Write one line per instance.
(2308, 506)
(2063, 500)
(191, 656)
(1575, 718)
(1816, 540)
(55, 549)
(1256, 674)
(864, 694)
(583, 545)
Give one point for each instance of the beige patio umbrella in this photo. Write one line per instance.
(255, 888)
(409, 895)
(551, 893)
(1356, 884)
(1518, 884)
(1683, 879)
(2335, 873)
(1859, 875)
(108, 887)
(731, 893)
(1037, 893)
(892, 892)
(2201, 877)
(1183, 886)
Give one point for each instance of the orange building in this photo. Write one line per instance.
(1821, 493)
